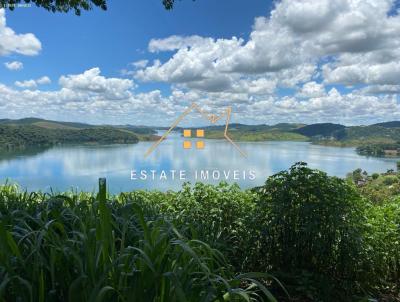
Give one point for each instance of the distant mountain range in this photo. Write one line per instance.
(40, 132)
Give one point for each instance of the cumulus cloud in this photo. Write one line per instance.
(43, 80)
(88, 96)
(252, 102)
(14, 65)
(140, 63)
(354, 41)
(11, 42)
(31, 84)
(91, 81)
(175, 42)
(312, 90)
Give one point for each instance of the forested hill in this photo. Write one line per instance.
(322, 129)
(33, 132)
(336, 134)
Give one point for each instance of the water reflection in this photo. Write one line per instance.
(79, 167)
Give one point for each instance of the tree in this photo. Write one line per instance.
(65, 6)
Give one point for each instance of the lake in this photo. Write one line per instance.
(79, 167)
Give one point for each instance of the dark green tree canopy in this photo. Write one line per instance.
(66, 5)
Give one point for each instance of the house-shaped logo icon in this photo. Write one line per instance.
(213, 118)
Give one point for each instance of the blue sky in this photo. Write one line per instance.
(111, 39)
(288, 61)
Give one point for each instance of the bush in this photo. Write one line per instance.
(389, 180)
(382, 246)
(312, 227)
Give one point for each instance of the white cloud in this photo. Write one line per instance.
(140, 63)
(175, 42)
(92, 81)
(43, 80)
(253, 101)
(312, 90)
(10, 42)
(26, 84)
(30, 84)
(356, 40)
(381, 89)
(14, 65)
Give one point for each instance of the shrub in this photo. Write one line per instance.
(312, 226)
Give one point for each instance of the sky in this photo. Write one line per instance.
(301, 61)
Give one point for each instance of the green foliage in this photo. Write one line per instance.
(58, 5)
(375, 175)
(382, 246)
(220, 215)
(377, 188)
(312, 226)
(78, 248)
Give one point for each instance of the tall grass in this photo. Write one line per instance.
(86, 248)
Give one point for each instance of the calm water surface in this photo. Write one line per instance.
(79, 167)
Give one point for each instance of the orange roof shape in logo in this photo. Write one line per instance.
(213, 118)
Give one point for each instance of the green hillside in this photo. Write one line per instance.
(254, 133)
(361, 135)
(322, 130)
(255, 136)
(22, 136)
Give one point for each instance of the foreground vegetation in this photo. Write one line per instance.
(320, 236)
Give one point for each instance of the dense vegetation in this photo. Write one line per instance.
(379, 149)
(377, 188)
(321, 130)
(321, 236)
(33, 132)
(19, 137)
